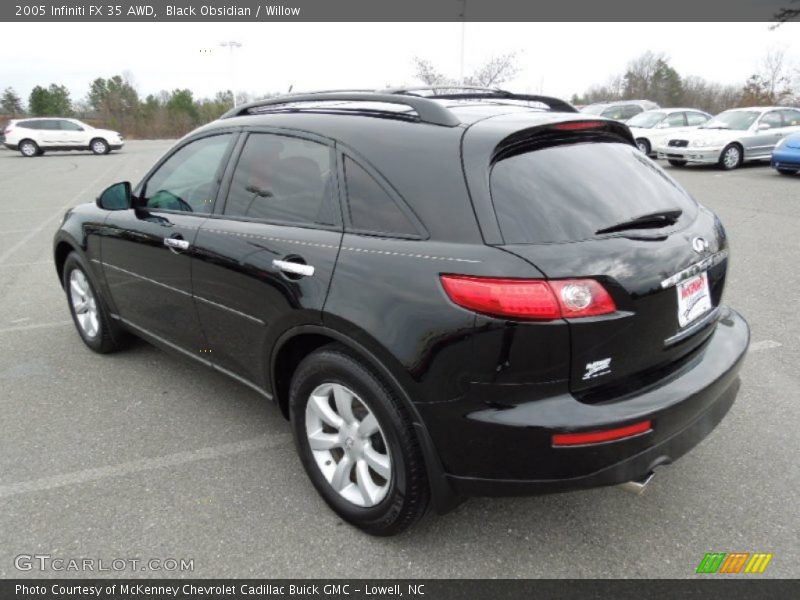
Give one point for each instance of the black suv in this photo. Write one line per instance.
(466, 293)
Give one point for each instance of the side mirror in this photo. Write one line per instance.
(116, 197)
(764, 126)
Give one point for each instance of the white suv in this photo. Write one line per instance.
(32, 137)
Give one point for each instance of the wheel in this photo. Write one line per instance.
(89, 312)
(731, 157)
(644, 146)
(100, 146)
(676, 162)
(787, 171)
(28, 148)
(357, 443)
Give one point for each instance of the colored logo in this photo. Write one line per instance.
(734, 562)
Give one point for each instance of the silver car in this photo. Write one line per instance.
(733, 137)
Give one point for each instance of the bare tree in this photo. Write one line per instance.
(787, 14)
(495, 71)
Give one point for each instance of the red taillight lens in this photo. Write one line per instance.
(578, 125)
(535, 299)
(604, 435)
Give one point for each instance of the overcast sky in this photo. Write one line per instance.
(557, 59)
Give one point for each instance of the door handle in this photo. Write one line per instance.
(176, 243)
(293, 268)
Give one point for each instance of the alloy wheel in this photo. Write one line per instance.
(731, 157)
(348, 445)
(28, 149)
(84, 304)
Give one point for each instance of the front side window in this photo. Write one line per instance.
(371, 208)
(696, 118)
(569, 193)
(70, 126)
(284, 179)
(647, 119)
(737, 120)
(773, 119)
(187, 181)
(676, 120)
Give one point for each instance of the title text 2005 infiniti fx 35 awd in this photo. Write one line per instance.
(477, 294)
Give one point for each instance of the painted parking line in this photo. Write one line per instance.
(34, 326)
(146, 464)
(764, 345)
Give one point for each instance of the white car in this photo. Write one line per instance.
(32, 137)
(732, 137)
(653, 128)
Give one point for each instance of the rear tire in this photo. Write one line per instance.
(366, 463)
(644, 146)
(88, 309)
(28, 148)
(99, 146)
(677, 162)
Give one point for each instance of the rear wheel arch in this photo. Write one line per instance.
(297, 343)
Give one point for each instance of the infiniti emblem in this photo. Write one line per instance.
(699, 245)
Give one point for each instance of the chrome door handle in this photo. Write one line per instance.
(293, 267)
(176, 243)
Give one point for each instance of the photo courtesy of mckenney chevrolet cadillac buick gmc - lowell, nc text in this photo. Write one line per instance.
(477, 293)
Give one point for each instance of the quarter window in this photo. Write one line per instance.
(284, 179)
(371, 208)
(187, 181)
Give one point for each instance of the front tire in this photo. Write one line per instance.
(357, 443)
(100, 146)
(731, 157)
(29, 148)
(89, 312)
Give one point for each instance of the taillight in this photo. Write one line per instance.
(7, 130)
(534, 299)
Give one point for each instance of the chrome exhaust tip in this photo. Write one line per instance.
(637, 487)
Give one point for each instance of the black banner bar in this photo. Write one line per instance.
(391, 10)
(741, 588)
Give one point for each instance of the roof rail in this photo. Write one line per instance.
(478, 93)
(427, 110)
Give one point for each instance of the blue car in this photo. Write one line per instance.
(786, 156)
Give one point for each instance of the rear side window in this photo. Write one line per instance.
(284, 179)
(28, 124)
(371, 208)
(566, 193)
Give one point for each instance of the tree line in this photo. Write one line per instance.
(114, 103)
(651, 77)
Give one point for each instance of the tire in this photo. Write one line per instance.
(99, 146)
(383, 501)
(28, 148)
(731, 157)
(787, 171)
(677, 162)
(96, 328)
(644, 146)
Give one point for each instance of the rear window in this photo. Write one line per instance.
(566, 193)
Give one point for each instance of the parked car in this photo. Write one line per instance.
(651, 128)
(621, 110)
(33, 137)
(786, 156)
(446, 297)
(733, 137)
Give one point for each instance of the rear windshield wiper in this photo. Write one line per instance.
(653, 220)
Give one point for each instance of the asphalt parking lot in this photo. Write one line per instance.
(145, 455)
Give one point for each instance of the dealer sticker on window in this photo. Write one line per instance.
(694, 298)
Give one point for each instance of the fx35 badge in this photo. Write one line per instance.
(597, 368)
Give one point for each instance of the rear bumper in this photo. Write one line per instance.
(10, 146)
(696, 155)
(506, 448)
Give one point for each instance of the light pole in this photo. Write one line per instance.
(232, 44)
(463, 16)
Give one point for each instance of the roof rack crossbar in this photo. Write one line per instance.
(478, 93)
(427, 110)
